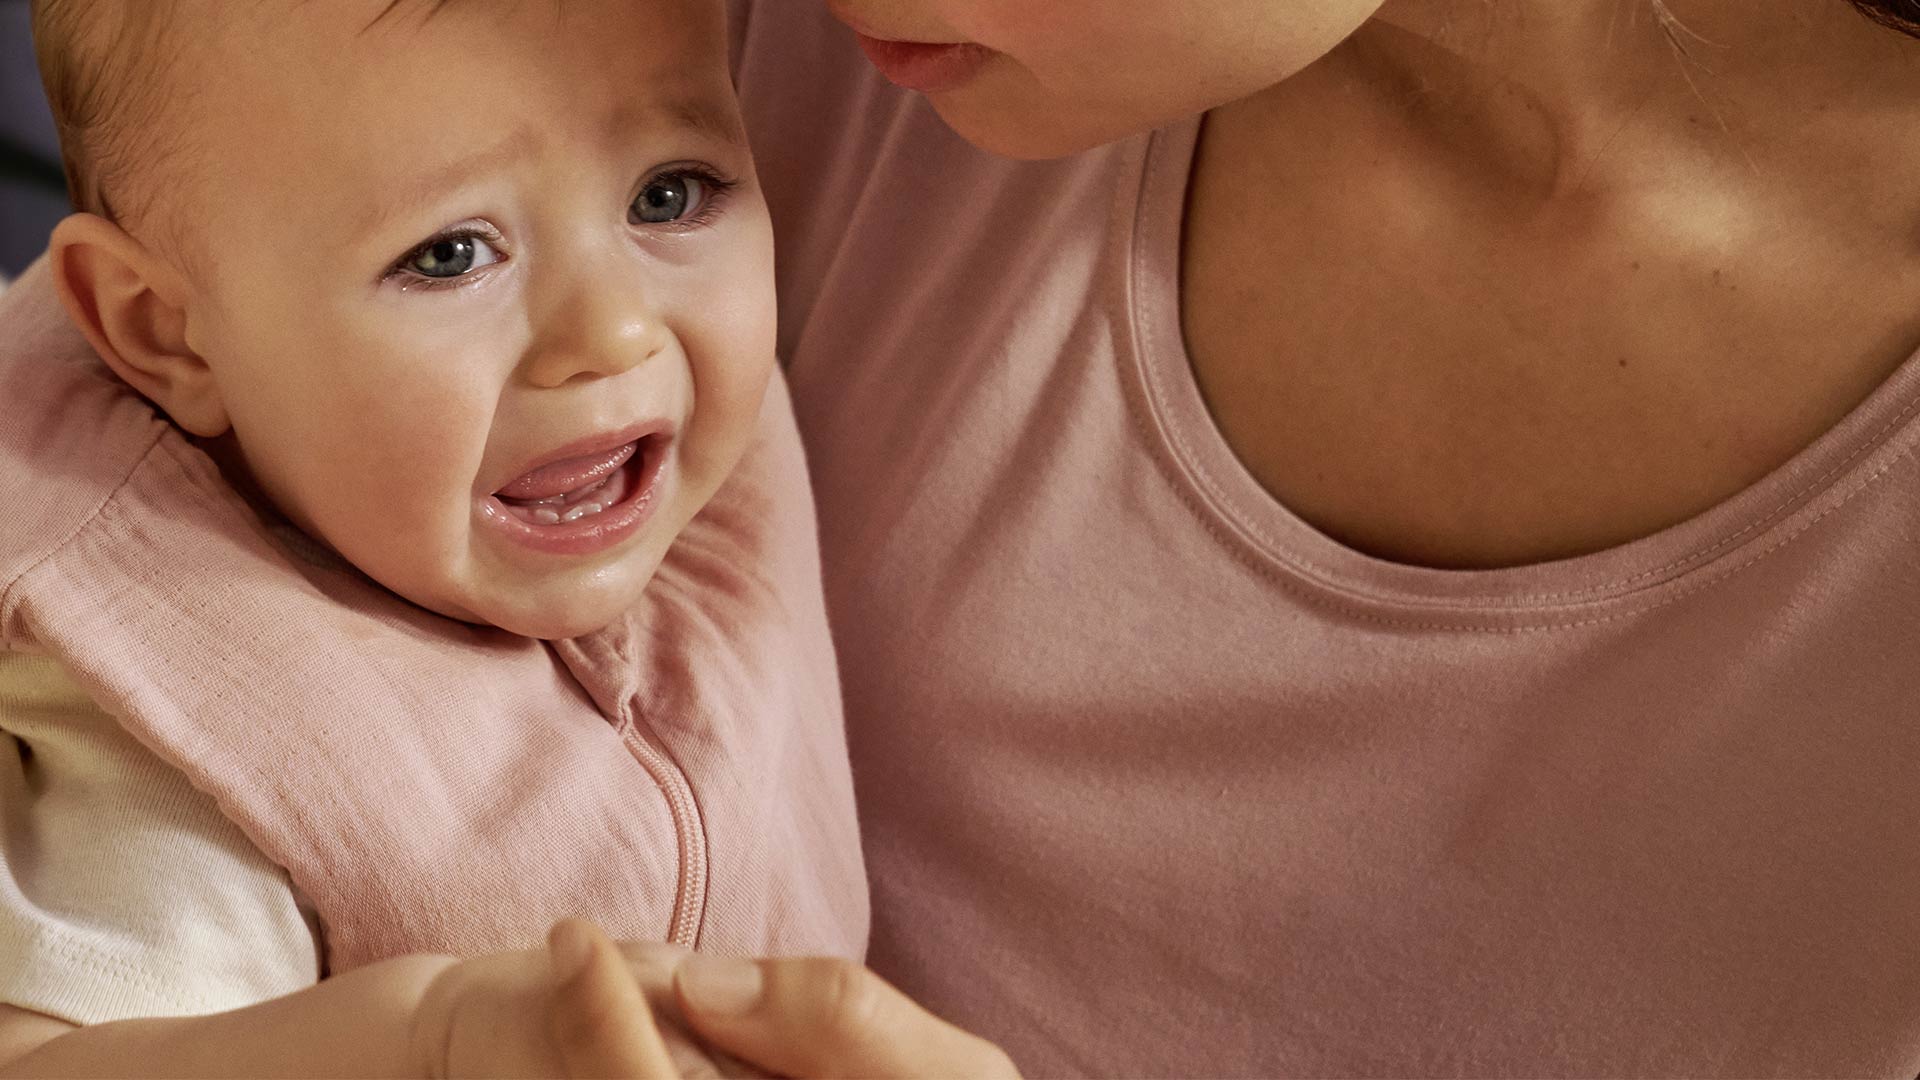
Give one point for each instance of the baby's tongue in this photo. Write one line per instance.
(563, 478)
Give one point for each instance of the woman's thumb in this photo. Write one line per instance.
(818, 1017)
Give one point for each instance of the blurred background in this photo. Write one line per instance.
(32, 193)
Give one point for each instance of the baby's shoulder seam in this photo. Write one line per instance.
(9, 587)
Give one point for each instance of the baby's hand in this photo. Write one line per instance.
(601, 1023)
(616, 1015)
(589, 1008)
(575, 1010)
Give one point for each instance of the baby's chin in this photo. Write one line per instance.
(551, 610)
(558, 625)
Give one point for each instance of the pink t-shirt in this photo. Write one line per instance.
(1156, 779)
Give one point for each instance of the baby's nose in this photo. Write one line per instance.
(603, 329)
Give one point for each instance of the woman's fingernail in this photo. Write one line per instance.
(570, 947)
(719, 985)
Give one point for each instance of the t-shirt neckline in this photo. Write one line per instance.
(1878, 435)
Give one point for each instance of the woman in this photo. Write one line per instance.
(1413, 572)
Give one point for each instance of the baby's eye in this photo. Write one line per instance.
(451, 256)
(671, 197)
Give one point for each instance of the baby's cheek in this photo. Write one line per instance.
(727, 394)
(730, 353)
(407, 496)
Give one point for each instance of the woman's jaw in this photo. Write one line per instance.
(1032, 80)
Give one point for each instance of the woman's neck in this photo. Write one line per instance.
(1551, 84)
(1573, 281)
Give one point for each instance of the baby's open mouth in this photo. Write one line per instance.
(576, 488)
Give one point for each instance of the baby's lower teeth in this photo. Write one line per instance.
(542, 515)
(593, 500)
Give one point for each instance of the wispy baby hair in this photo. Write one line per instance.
(1901, 15)
(102, 63)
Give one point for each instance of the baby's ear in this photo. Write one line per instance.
(132, 307)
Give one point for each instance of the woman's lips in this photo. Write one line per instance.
(923, 67)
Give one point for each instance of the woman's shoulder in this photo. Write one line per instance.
(805, 89)
(757, 26)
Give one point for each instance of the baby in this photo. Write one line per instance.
(378, 625)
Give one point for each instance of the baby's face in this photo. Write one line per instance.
(486, 289)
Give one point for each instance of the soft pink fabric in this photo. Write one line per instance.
(432, 785)
(1158, 780)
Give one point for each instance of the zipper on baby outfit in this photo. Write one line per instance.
(690, 898)
(606, 666)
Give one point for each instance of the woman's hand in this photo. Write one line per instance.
(578, 1010)
(825, 1018)
(601, 1022)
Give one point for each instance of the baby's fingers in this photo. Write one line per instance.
(600, 1021)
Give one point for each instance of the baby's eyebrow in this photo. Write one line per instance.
(394, 5)
(715, 119)
(434, 181)
(705, 115)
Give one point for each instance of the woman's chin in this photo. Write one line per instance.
(1013, 121)
(1021, 135)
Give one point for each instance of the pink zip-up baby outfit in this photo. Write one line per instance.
(430, 785)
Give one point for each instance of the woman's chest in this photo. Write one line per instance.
(1466, 376)
(1094, 728)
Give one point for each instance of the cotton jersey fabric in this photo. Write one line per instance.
(434, 786)
(126, 891)
(1157, 780)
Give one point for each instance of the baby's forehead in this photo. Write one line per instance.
(155, 90)
(637, 40)
(662, 15)
(377, 107)
(633, 60)
(330, 26)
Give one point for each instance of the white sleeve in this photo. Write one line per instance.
(124, 892)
